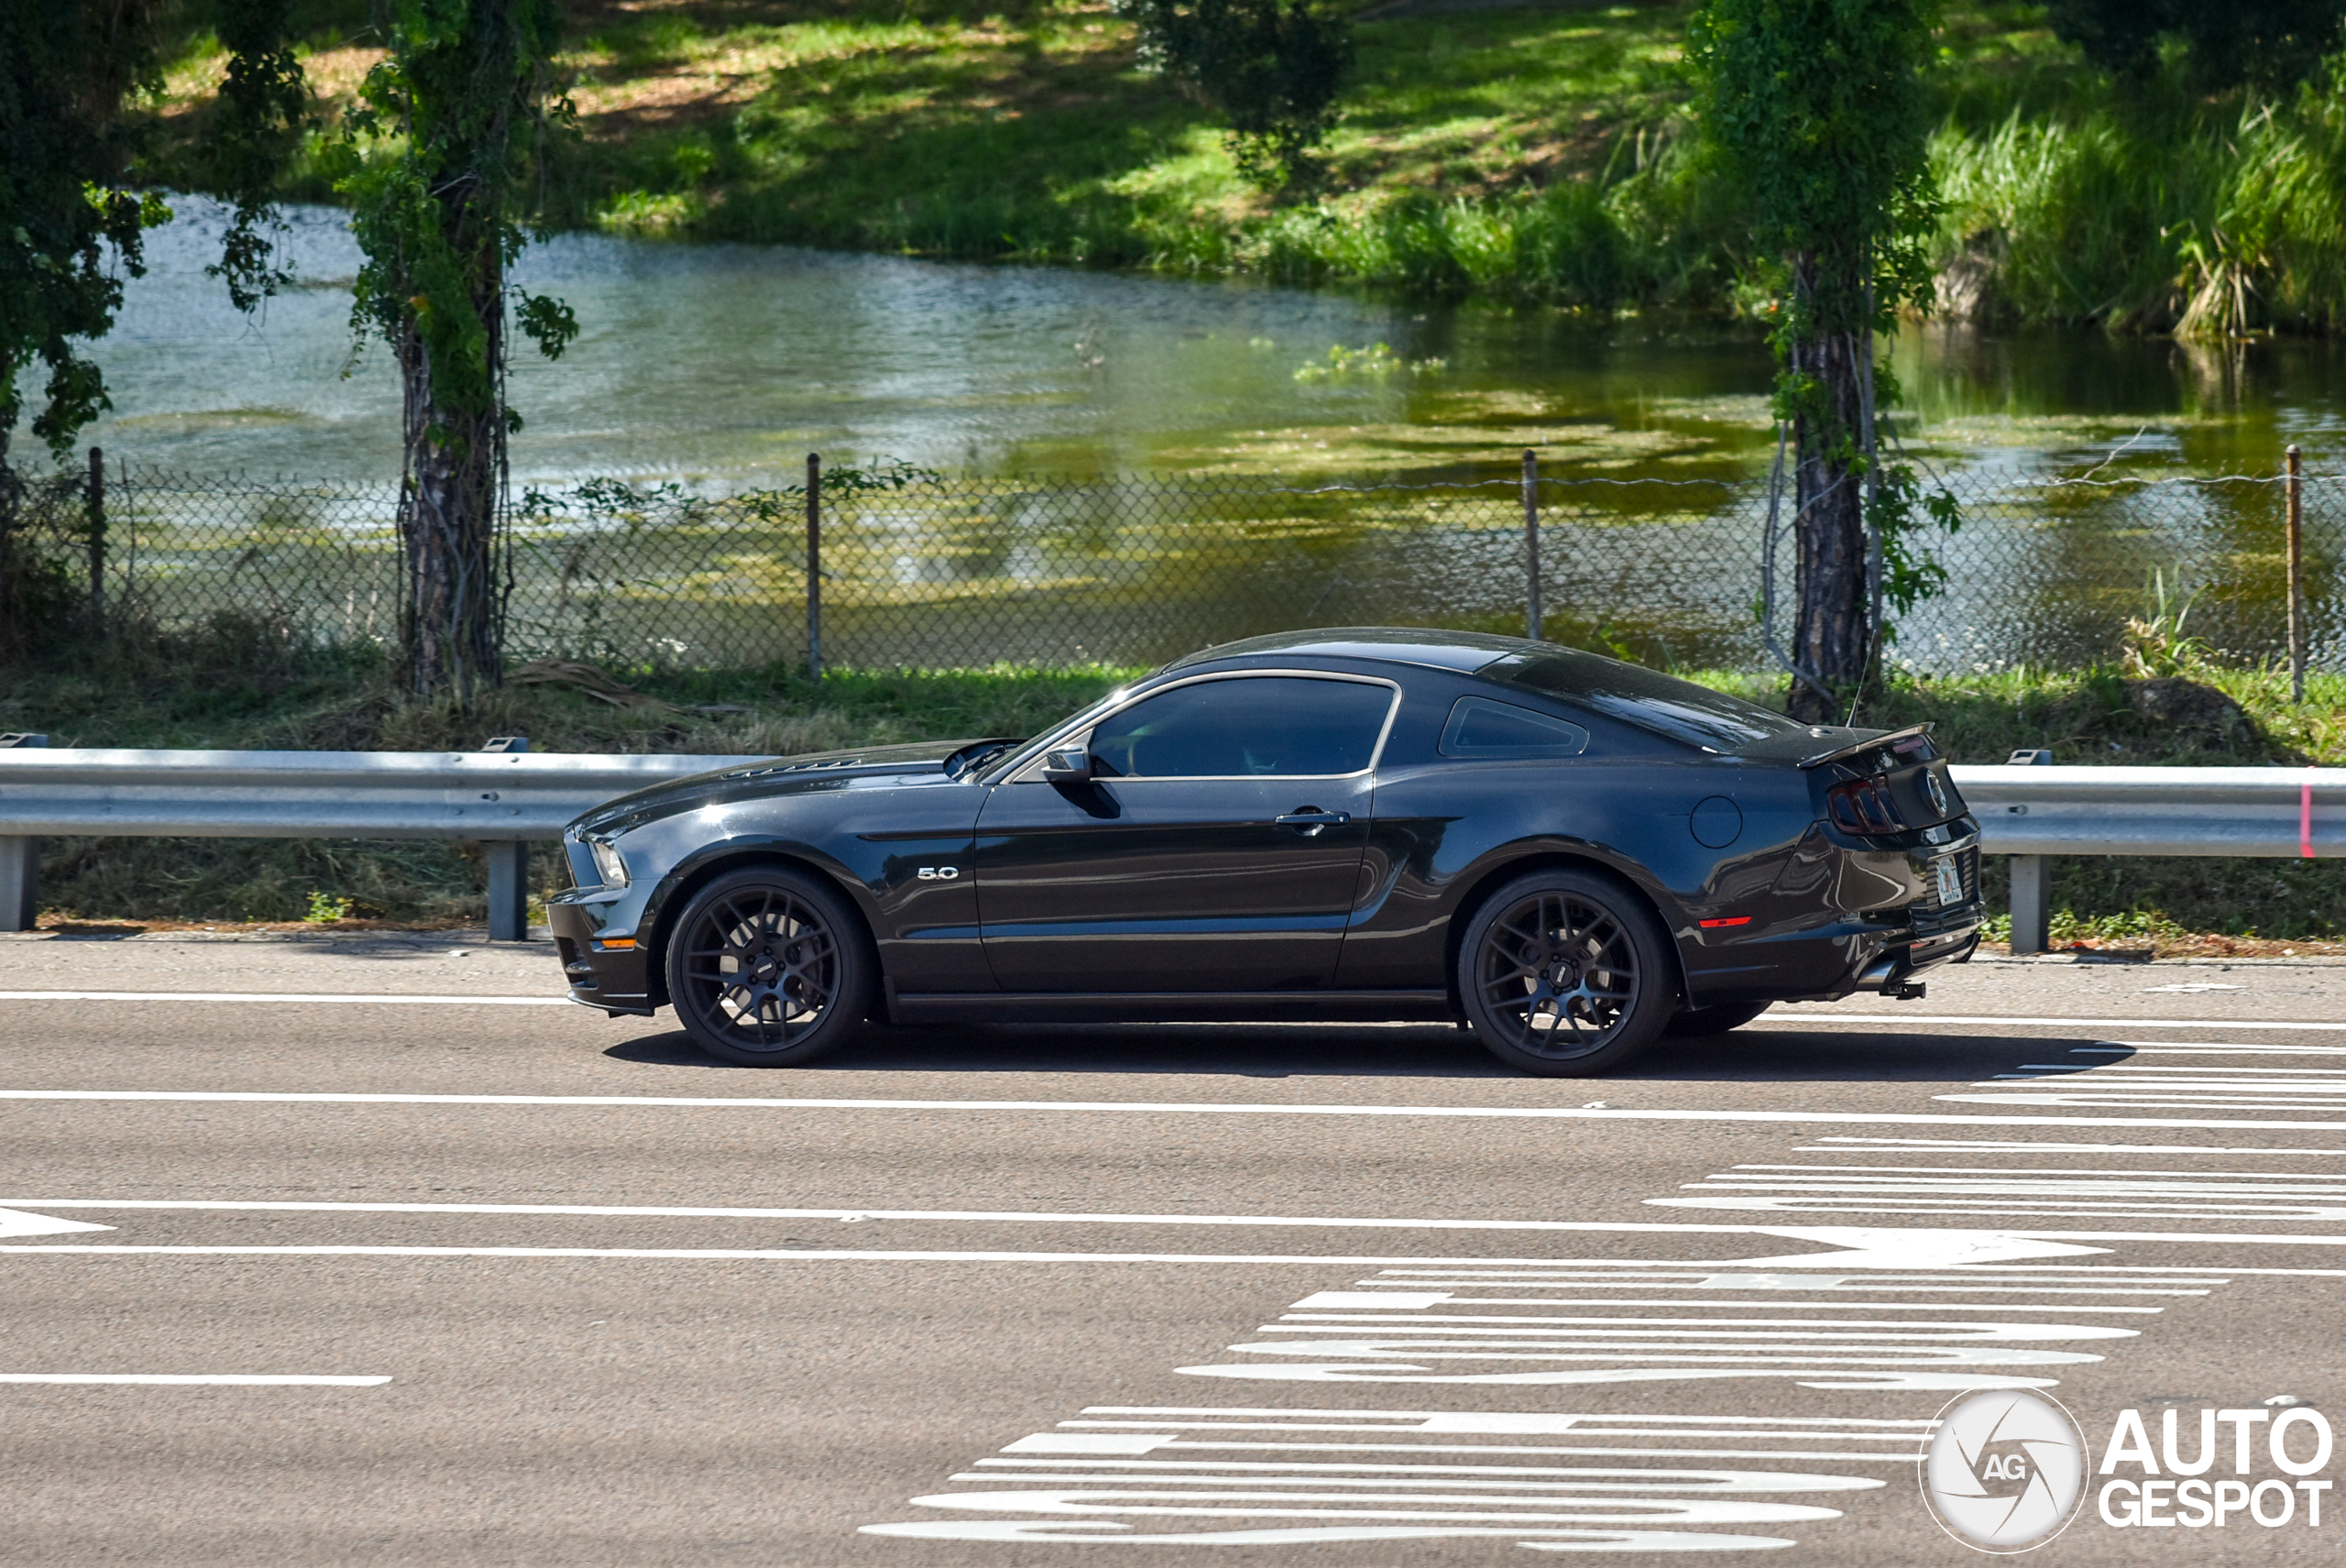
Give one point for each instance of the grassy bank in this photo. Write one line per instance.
(221, 692)
(1536, 153)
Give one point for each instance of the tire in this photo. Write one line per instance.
(1700, 1021)
(769, 966)
(1565, 974)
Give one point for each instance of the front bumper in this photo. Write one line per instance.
(616, 979)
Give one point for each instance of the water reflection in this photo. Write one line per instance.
(733, 361)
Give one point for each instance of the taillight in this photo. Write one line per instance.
(1863, 806)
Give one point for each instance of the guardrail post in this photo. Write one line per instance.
(2032, 890)
(19, 863)
(1532, 615)
(2031, 904)
(508, 870)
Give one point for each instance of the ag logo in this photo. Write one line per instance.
(2005, 1472)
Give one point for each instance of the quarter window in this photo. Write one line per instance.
(1479, 728)
(1266, 725)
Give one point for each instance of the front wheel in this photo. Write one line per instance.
(768, 967)
(1564, 974)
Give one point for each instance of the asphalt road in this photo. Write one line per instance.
(404, 1261)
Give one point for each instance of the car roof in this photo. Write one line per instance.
(1433, 647)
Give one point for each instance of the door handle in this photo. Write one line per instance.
(1309, 820)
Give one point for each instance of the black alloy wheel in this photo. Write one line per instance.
(1699, 1020)
(1564, 974)
(768, 967)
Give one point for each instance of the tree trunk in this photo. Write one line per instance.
(1832, 639)
(450, 492)
(14, 633)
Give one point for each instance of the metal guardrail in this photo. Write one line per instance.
(506, 797)
(2028, 810)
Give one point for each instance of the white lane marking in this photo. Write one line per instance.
(1400, 1487)
(2023, 1021)
(1175, 1108)
(1004, 1216)
(2014, 1145)
(2205, 1100)
(198, 1379)
(2312, 1182)
(2107, 1189)
(334, 996)
(15, 1223)
(1858, 1246)
(1188, 1473)
(1407, 1342)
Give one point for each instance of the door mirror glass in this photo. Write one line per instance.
(1245, 727)
(1066, 764)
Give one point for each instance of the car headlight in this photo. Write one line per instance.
(608, 863)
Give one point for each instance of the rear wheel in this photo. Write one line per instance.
(1564, 974)
(1696, 1021)
(768, 967)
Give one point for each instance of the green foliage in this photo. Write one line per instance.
(326, 908)
(72, 215)
(254, 135)
(437, 164)
(1378, 362)
(1273, 68)
(2210, 218)
(71, 224)
(2157, 646)
(1817, 109)
(2227, 44)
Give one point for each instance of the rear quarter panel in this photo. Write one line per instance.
(1447, 832)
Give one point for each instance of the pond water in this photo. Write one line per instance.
(729, 362)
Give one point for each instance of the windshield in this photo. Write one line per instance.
(1661, 704)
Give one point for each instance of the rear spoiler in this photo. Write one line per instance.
(1854, 747)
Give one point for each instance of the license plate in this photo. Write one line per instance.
(1950, 880)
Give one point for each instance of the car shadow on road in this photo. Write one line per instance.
(1419, 1050)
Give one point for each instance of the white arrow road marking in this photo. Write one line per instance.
(15, 1222)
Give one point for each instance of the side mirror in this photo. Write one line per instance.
(1068, 765)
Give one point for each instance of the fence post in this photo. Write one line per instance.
(1531, 617)
(98, 537)
(509, 868)
(19, 863)
(2297, 575)
(813, 565)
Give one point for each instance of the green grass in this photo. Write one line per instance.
(233, 689)
(1536, 154)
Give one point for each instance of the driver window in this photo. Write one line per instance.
(1259, 726)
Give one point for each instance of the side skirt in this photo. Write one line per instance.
(1161, 1006)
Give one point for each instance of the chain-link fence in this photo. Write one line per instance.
(932, 571)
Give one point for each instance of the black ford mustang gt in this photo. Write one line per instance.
(1568, 853)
